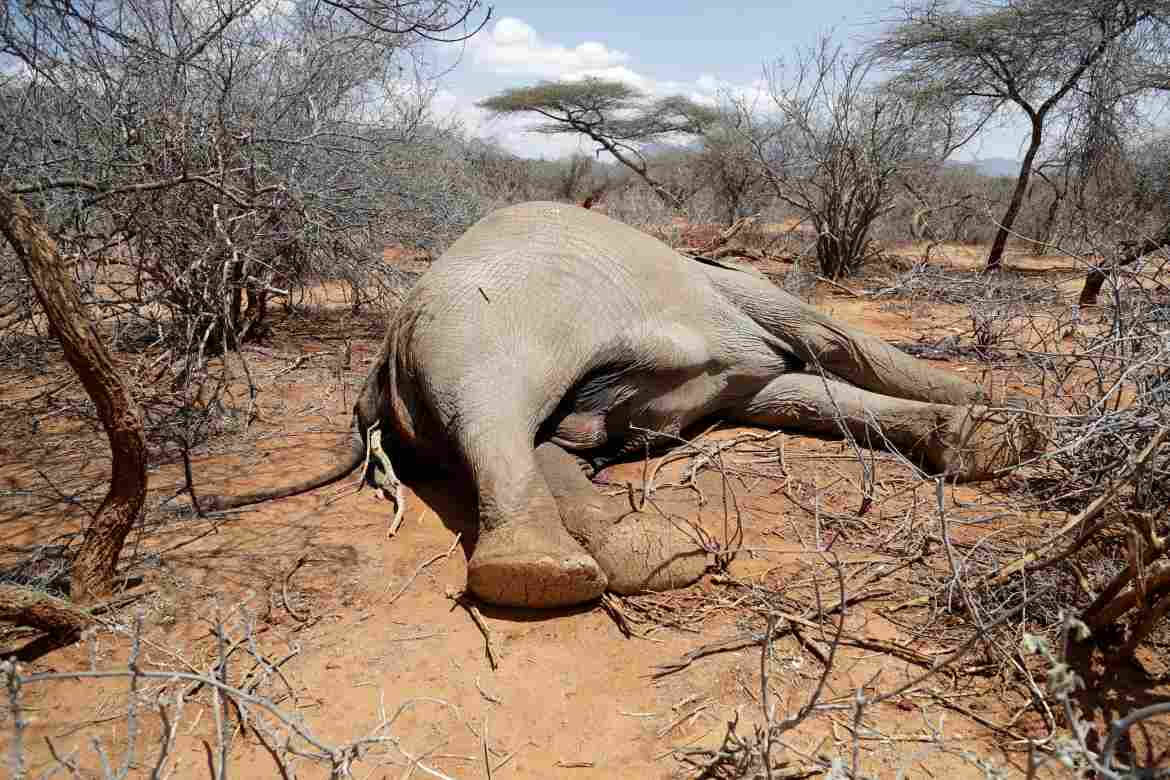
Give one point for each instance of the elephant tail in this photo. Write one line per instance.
(352, 460)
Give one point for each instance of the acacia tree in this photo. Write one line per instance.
(621, 119)
(1028, 53)
(1120, 193)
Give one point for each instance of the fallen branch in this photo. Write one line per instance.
(1031, 562)
(463, 600)
(840, 287)
(42, 611)
(284, 591)
(423, 565)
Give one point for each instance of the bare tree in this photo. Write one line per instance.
(832, 148)
(727, 163)
(1056, 174)
(1124, 204)
(206, 157)
(222, 151)
(1028, 53)
(616, 116)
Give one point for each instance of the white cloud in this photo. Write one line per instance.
(707, 83)
(13, 71)
(511, 132)
(514, 47)
(446, 104)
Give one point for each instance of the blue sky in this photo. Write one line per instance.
(692, 48)
(683, 40)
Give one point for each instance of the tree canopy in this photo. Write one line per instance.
(1029, 53)
(620, 118)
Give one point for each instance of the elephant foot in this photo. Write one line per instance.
(979, 443)
(529, 565)
(643, 552)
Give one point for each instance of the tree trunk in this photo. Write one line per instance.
(831, 257)
(666, 196)
(235, 315)
(995, 257)
(1048, 232)
(258, 312)
(1129, 254)
(93, 570)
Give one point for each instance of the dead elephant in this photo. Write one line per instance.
(548, 333)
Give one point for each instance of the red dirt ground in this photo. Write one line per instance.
(374, 626)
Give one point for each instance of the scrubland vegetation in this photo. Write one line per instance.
(179, 181)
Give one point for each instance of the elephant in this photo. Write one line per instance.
(550, 338)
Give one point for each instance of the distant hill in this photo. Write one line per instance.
(992, 166)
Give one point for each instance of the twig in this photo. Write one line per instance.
(982, 721)
(463, 600)
(487, 763)
(1031, 561)
(841, 287)
(768, 709)
(964, 648)
(423, 565)
(300, 361)
(337, 756)
(284, 591)
(739, 642)
(487, 696)
(1119, 727)
(12, 681)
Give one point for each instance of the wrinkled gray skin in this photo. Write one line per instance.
(548, 330)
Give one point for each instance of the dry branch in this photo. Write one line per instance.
(42, 611)
(1034, 560)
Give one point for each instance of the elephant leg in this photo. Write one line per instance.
(964, 442)
(524, 557)
(870, 363)
(638, 551)
(849, 353)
